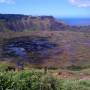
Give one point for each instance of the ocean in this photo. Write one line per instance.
(76, 21)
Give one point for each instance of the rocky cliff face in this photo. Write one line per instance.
(23, 22)
(15, 22)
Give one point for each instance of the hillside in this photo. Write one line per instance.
(22, 22)
(43, 41)
(16, 22)
(52, 48)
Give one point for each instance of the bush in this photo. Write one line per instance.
(48, 83)
(32, 80)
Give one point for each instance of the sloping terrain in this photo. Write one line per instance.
(11, 22)
(16, 22)
(47, 48)
(43, 41)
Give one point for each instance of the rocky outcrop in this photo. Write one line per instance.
(15, 22)
(24, 22)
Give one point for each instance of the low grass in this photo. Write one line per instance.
(37, 80)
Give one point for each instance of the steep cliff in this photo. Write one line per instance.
(24, 22)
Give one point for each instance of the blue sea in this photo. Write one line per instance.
(76, 21)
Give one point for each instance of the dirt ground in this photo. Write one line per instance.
(72, 75)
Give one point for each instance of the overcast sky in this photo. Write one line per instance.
(60, 8)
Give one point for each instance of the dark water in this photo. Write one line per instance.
(28, 46)
(76, 21)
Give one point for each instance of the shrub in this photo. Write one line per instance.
(32, 80)
(48, 83)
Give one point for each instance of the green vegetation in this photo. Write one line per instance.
(3, 66)
(75, 68)
(1, 22)
(36, 80)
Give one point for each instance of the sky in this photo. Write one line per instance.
(57, 8)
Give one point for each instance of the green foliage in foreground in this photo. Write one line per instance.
(33, 80)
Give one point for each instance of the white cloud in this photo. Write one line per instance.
(80, 3)
(7, 1)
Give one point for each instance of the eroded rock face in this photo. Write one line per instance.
(17, 22)
(29, 48)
